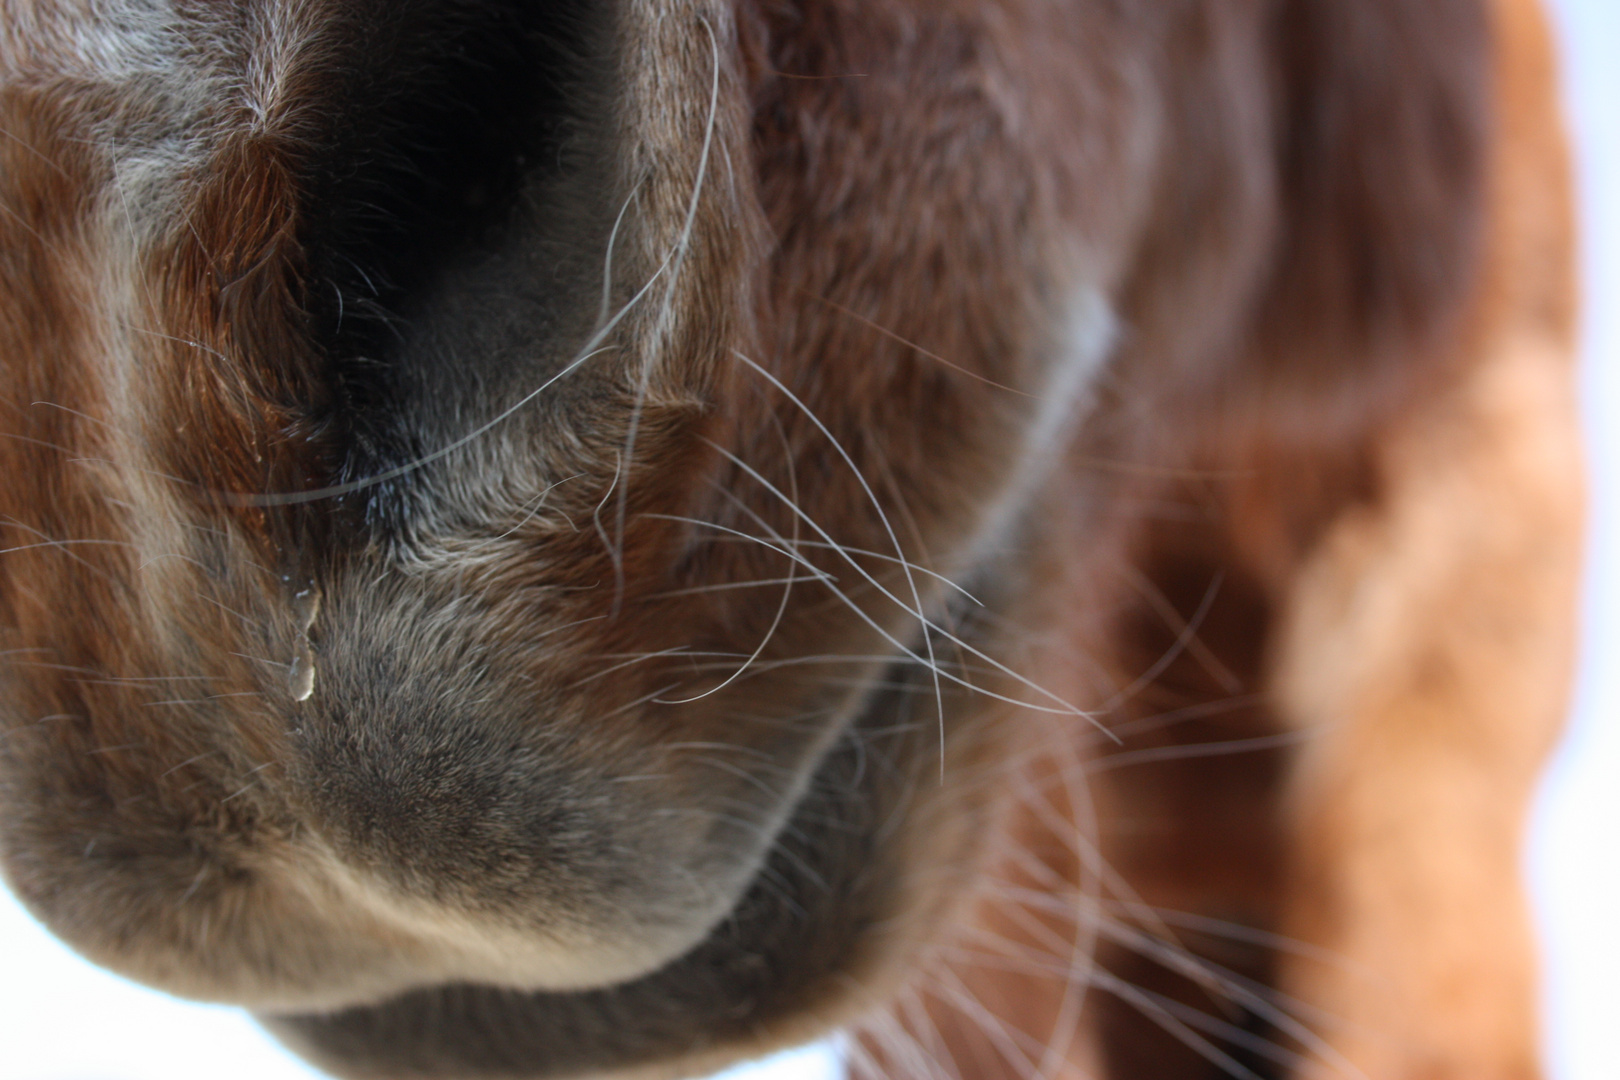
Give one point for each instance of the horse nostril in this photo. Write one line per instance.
(444, 128)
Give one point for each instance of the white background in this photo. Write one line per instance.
(61, 1019)
(1575, 855)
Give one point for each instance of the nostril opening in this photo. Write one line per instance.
(449, 118)
(444, 109)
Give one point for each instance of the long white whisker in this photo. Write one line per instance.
(1200, 711)
(1227, 985)
(798, 543)
(730, 586)
(1204, 924)
(894, 540)
(530, 513)
(1173, 619)
(787, 591)
(615, 552)
(1186, 752)
(1150, 1008)
(925, 571)
(1188, 633)
(1064, 709)
(607, 260)
(291, 498)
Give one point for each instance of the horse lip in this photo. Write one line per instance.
(817, 900)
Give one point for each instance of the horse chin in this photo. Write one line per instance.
(835, 916)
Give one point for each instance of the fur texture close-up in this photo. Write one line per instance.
(613, 537)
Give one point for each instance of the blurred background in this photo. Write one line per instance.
(1574, 860)
(61, 1019)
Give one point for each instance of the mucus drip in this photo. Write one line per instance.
(306, 608)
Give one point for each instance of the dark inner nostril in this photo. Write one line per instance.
(442, 111)
(445, 114)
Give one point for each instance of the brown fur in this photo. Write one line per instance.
(1218, 350)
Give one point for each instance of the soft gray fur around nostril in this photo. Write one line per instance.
(442, 807)
(479, 805)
